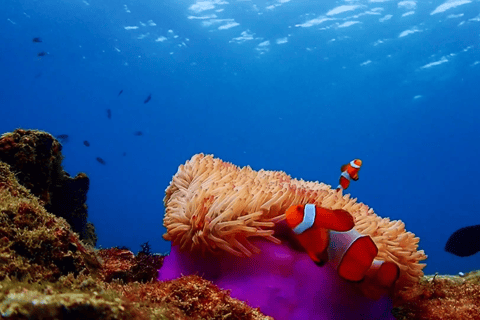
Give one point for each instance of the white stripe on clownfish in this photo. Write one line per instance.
(346, 176)
(308, 219)
(353, 164)
(340, 242)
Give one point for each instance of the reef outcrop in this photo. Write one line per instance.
(36, 159)
(36, 245)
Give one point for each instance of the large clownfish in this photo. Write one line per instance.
(311, 224)
(328, 236)
(349, 172)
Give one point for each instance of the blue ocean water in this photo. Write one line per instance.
(299, 86)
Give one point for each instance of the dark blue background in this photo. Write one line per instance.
(305, 107)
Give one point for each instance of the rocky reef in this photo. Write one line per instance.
(36, 159)
(49, 268)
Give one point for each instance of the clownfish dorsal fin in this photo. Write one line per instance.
(344, 167)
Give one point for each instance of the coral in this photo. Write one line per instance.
(34, 244)
(440, 297)
(123, 265)
(36, 159)
(215, 206)
(189, 297)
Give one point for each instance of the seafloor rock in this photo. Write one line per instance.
(439, 298)
(36, 159)
(21, 305)
(67, 299)
(34, 244)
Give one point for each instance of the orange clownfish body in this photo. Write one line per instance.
(328, 235)
(349, 172)
(311, 223)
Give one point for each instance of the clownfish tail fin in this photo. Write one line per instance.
(339, 187)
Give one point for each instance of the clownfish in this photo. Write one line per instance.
(328, 236)
(353, 255)
(349, 172)
(311, 223)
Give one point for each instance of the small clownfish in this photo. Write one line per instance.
(311, 223)
(349, 172)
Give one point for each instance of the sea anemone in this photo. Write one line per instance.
(215, 206)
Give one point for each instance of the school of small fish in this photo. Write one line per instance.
(64, 138)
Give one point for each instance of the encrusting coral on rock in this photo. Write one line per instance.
(36, 159)
(440, 297)
(34, 244)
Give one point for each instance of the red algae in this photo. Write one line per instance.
(122, 264)
(189, 297)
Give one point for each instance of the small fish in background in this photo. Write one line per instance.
(138, 133)
(464, 242)
(124, 154)
(121, 91)
(37, 40)
(38, 75)
(148, 98)
(63, 138)
(86, 143)
(109, 114)
(101, 161)
(349, 172)
(42, 54)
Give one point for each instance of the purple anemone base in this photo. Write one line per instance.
(283, 282)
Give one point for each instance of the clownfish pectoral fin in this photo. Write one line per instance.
(320, 258)
(344, 167)
(315, 242)
(355, 177)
